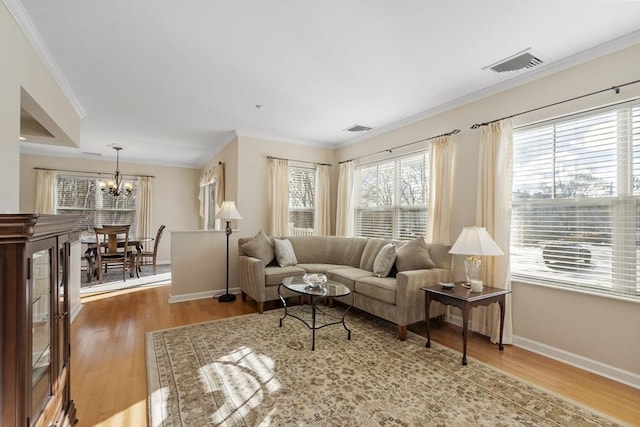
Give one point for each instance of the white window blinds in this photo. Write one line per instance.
(576, 188)
(392, 197)
(302, 182)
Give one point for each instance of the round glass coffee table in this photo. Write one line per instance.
(316, 318)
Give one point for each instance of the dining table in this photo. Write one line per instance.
(90, 254)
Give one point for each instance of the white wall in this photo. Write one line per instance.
(594, 331)
(21, 69)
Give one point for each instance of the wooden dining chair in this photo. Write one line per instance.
(152, 255)
(113, 248)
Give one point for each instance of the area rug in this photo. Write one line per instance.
(248, 371)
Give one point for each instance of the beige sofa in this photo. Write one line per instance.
(349, 260)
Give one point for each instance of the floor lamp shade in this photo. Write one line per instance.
(475, 241)
(227, 213)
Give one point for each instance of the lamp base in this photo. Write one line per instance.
(227, 298)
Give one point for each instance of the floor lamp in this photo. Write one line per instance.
(227, 213)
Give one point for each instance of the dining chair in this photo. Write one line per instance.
(152, 255)
(113, 248)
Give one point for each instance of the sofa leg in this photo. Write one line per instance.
(402, 332)
(244, 296)
(261, 307)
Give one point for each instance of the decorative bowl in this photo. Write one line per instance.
(314, 280)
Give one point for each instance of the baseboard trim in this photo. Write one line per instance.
(590, 365)
(200, 295)
(75, 312)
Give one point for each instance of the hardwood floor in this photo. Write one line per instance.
(108, 376)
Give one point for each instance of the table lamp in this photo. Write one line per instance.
(474, 241)
(227, 213)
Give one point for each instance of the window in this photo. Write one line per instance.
(392, 197)
(81, 195)
(576, 190)
(211, 207)
(302, 184)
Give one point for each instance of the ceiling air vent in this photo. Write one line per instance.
(520, 61)
(358, 128)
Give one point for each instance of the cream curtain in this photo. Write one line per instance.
(493, 211)
(345, 202)
(439, 225)
(45, 191)
(143, 199)
(322, 202)
(278, 196)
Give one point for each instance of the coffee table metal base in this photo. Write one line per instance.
(317, 318)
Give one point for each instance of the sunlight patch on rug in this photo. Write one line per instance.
(247, 371)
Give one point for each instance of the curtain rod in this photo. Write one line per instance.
(616, 89)
(299, 161)
(388, 150)
(92, 173)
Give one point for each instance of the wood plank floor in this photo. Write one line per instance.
(108, 376)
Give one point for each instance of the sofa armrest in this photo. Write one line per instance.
(409, 297)
(251, 276)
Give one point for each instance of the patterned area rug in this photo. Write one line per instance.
(247, 371)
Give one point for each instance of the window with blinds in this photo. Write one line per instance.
(81, 196)
(392, 197)
(302, 185)
(576, 191)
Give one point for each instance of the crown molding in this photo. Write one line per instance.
(33, 36)
(563, 64)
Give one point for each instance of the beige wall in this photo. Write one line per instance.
(174, 192)
(603, 330)
(21, 68)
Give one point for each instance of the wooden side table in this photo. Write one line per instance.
(465, 300)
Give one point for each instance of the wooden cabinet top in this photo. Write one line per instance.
(16, 228)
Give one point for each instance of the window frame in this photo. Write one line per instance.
(615, 274)
(396, 206)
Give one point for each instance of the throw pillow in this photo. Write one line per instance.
(414, 255)
(284, 252)
(384, 260)
(260, 247)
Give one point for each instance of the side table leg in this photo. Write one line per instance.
(427, 305)
(465, 332)
(501, 303)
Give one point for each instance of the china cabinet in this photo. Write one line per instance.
(34, 320)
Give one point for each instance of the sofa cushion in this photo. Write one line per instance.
(328, 249)
(261, 247)
(284, 252)
(320, 268)
(377, 288)
(384, 260)
(413, 255)
(371, 251)
(348, 276)
(273, 275)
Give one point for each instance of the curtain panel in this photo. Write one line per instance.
(143, 220)
(439, 213)
(278, 197)
(493, 211)
(45, 191)
(345, 200)
(322, 202)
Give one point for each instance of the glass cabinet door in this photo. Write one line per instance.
(41, 326)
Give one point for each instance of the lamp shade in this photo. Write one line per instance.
(228, 211)
(475, 241)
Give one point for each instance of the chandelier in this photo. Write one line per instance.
(116, 187)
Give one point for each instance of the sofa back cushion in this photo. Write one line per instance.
(372, 249)
(328, 249)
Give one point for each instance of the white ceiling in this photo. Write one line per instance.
(174, 80)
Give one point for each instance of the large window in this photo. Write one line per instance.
(81, 195)
(302, 184)
(576, 190)
(392, 197)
